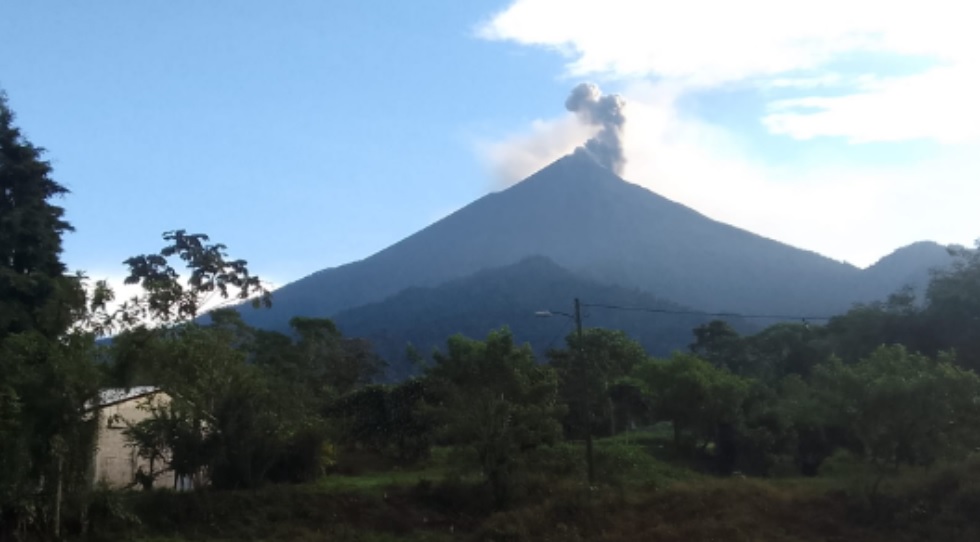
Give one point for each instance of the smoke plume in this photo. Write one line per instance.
(587, 101)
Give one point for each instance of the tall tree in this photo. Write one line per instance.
(694, 395)
(229, 415)
(496, 401)
(953, 311)
(785, 349)
(46, 371)
(168, 298)
(331, 363)
(718, 343)
(902, 407)
(897, 320)
(33, 282)
(587, 368)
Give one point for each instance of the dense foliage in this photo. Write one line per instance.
(492, 398)
(45, 366)
(511, 296)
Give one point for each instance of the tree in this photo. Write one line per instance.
(587, 369)
(631, 403)
(785, 349)
(332, 363)
(169, 441)
(953, 311)
(46, 386)
(492, 398)
(35, 292)
(814, 428)
(719, 344)
(902, 407)
(695, 396)
(168, 299)
(247, 405)
(228, 416)
(389, 420)
(784, 421)
(897, 320)
(46, 368)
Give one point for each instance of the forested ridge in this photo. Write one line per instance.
(865, 426)
(513, 296)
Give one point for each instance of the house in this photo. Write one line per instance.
(115, 462)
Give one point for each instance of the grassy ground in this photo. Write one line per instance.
(651, 498)
(381, 481)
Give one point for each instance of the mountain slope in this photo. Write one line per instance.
(588, 220)
(510, 296)
(908, 266)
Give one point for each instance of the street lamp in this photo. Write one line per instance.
(577, 317)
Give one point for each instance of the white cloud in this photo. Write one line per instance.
(940, 104)
(816, 62)
(819, 81)
(774, 43)
(719, 40)
(695, 40)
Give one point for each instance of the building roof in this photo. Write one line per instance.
(111, 396)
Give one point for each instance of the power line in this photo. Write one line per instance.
(702, 313)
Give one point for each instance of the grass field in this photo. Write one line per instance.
(651, 498)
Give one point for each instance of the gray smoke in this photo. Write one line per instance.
(587, 101)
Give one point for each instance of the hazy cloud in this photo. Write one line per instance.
(518, 155)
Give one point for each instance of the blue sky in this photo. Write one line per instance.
(308, 134)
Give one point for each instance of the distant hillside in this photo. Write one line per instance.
(589, 221)
(510, 296)
(907, 266)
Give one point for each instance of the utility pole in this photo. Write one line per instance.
(57, 498)
(580, 370)
(589, 457)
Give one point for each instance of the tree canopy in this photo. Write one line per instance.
(495, 400)
(46, 372)
(35, 292)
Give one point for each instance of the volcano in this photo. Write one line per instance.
(592, 223)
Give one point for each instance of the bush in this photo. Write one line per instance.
(617, 463)
(109, 513)
(564, 459)
(304, 459)
(760, 450)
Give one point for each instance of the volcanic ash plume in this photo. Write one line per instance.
(587, 101)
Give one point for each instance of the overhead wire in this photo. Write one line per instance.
(703, 313)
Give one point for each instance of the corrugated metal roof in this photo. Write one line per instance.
(110, 396)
